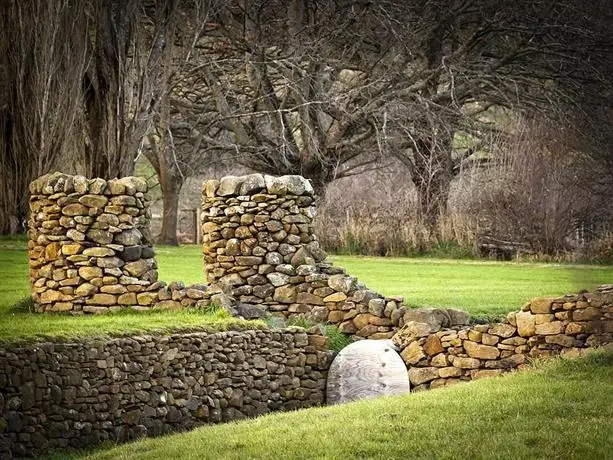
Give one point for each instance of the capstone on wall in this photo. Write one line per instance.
(77, 393)
(90, 248)
(437, 356)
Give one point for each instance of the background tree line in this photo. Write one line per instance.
(326, 89)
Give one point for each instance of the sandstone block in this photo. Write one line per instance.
(376, 306)
(543, 318)
(130, 237)
(466, 363)
(167, 305)
(474, 335)
(308, 299)
(138, 267)
(553, 328)
(526, 324)
(361, 320)
(102, 299)
(342, 283)
(75, 235)
(541, 304)
(248, 260)
(336, 297)
(114, 289)
(100, 236)
(86, 290)
(109, 262)
(278, 279)
(89, 273)
(252, 183)
(447, 372)
(419, 375)
(433, 345)
(502, 330)
(475, 350)
(409, 332)
(285, 294)
(367, 331)
(347, 327)
(336, 316)
(586, 314)
(440, 360)
(71, 249)
(412, 354)
(510, 362)
(61, 307)
(50, 296)
(562, 340)
(98, 252)
(128, 298)
(94, 201)
(488, 339)
(147, 298)
(75, 209)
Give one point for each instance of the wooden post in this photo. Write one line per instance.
(198, 219)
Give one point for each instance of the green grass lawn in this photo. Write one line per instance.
(16, 323)
(562, 409)
(481, 288)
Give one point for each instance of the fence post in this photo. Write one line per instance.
(198, 220)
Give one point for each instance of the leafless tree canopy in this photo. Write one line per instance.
(321, 88)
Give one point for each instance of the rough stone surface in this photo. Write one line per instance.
(259, 246)
(98, 255)
(83, 392)
(545, 327)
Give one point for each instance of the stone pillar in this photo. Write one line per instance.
(89, 243)
(257, 235)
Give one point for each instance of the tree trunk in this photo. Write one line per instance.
(433, 171)
(171, 184)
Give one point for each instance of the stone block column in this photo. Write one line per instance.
(89, 243)
(258, 240)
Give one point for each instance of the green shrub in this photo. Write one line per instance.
(337, 340)
(300, 321)
(24, 305)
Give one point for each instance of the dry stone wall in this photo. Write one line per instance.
(259, 246)
(60, 394)
(90, 248)
(568, 325)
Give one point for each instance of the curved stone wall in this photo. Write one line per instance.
(259, 247)
(90, 248)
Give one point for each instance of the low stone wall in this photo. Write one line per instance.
(59, 394)
(545, 327)
(90, 248)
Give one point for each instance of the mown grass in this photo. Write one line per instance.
(17, 322)
(562, 409)
(479, 287)
(482, 288)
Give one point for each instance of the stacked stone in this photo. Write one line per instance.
(259, 246)
(545, 327)
(90, 247)
(82, 392)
